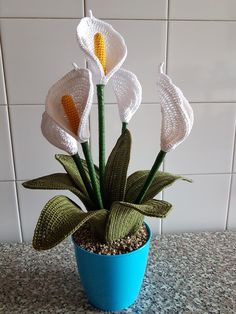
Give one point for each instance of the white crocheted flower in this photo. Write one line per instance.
(57, 136)
(177, 114)
(78, 85)
(128, 93)
(115, 46)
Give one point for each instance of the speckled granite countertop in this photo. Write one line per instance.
(188, 273)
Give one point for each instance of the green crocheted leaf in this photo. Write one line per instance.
(122, 220)
(59, 218)
(59, 181)
(116, 169)
(98, 225)
(153, 208)
(136, 181)
(55, 181)
(70, 167)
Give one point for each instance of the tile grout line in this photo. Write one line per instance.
(11, 143)
(182, 174)
(4, 80)
(144, 103)
(166, 66)
(112, 19)
(5, 181)
(84, 8)
(202, 173)
(231, 179)
(167, 35)
(86, 66)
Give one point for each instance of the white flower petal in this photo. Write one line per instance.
(116, 49)
(128, 93)
(57, 136)
(177, 114)
(78, 84)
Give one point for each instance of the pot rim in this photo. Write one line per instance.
(117, 255)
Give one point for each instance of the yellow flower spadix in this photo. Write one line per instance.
(71, 112)
(100, 50)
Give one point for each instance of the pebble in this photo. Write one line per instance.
(87, 241)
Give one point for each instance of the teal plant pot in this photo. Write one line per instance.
(112, 282)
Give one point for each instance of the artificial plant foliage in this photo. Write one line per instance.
(122, 221)
(101, 133)
(125, 218)
(116, 170)
(55, 181)
(70, 167)
(161, 181)
(92, 173)
(152, 208)
(60, 181)
(59, 218)
(97, 225)
(115, 205)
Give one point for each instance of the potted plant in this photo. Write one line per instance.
(110, 238)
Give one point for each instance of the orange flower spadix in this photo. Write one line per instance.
(71, 112)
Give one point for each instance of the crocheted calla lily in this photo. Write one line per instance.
(128, 93)
(177, 114)
(69, 103)
(57, 136)
(91, 31)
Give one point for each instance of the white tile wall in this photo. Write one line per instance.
(232, 209)
(36, 54)
(201, 59)
(198, 206)
(3, 100)
(203, 9)
(31, 203)
(42, 8)
(6, 160)
(234, 165)
(145, 53)
(34, 156)
(9, 222)
(38, 42)
(209, 149)
(132, 9)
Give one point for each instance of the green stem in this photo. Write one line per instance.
(101, 127)
(92, 173)
(150, 177)
(124, 126)
(83, 174)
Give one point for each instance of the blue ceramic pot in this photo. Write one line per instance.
(112, 282)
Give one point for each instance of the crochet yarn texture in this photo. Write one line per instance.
(78, 84)
(177, 114)
(57, 136)
(128, 93)
(116, 49)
